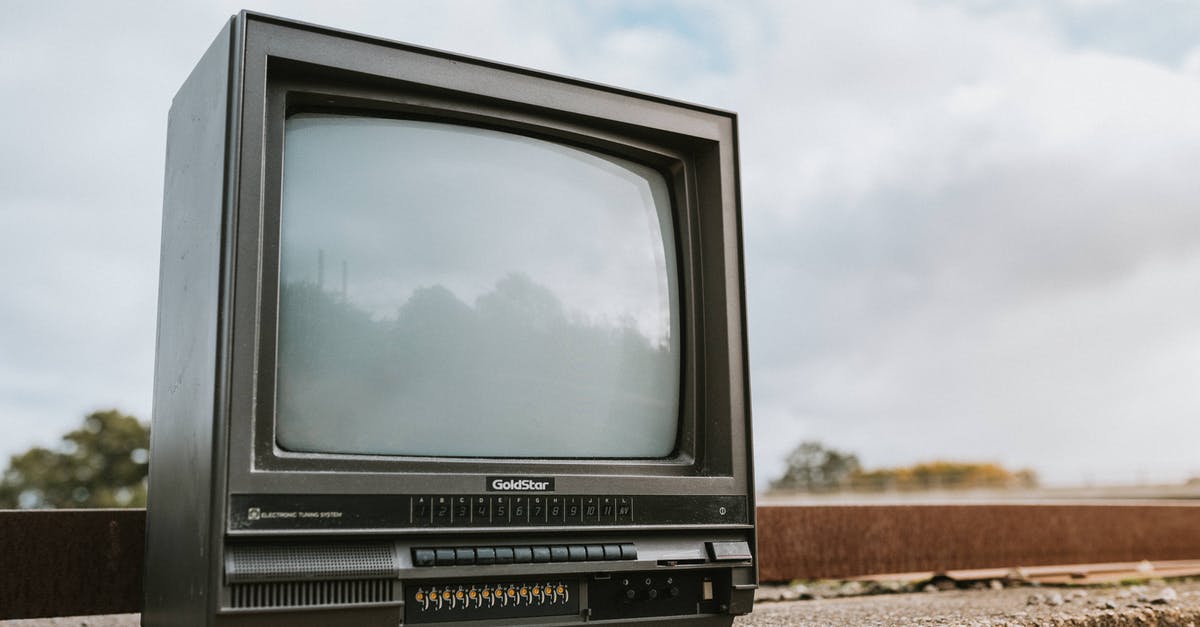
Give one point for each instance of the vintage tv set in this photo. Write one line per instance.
(442, 340)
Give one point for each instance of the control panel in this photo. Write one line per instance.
(629, 595)
(658, 593)
(509, 578)
(253, 512)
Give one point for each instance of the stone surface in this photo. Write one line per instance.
(1023, 607)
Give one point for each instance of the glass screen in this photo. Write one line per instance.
(448, 290)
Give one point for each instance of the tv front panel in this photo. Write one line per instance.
(444, 341)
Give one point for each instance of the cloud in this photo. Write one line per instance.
(951, 214)
(1191, 63)
(970, 227)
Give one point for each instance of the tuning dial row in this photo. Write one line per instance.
(496, 595)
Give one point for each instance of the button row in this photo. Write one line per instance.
(486, 555)
(521, 510)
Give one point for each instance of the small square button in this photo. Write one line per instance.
(461, 510)
(481, 510)
(537, 510)
(608, 509)
(572, 510)
(520, 510)
(421, 510)
(624, 509)
(591, 509)
(500, 510)
(441, 510)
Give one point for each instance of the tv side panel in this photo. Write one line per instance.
(179, 580)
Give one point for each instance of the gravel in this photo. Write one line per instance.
(1177, 605)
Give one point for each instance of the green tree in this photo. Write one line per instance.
(102, 464)
(811, 467)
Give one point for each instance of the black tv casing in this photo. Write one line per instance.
(242, 532)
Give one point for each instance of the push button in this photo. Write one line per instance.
(729, 551)
(485, 555)
(424, 557)
(522, 555)
(628, 551)
(612, 552)
(541, 554)
(577, 553)
(504, 555)
(595, 553)
(559, 554)
(444, 557)
(464, 557)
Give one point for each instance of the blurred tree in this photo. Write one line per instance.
(102, 464)
(946, 475)
(812, 467)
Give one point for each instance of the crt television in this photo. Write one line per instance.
(442, 340)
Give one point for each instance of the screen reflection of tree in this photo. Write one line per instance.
(514, 375)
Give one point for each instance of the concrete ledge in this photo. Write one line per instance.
(1025, 606)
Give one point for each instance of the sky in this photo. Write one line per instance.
(972, 229)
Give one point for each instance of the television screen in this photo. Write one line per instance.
(453, 291)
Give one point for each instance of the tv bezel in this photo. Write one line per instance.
(288, 67)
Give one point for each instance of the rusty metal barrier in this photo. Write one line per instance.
(827, 542)
(80, 562)
(71, 562)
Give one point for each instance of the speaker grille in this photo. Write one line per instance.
(310, 593)
(281, 562)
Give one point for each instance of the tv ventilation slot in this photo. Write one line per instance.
(311, 593)
(291, 562)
